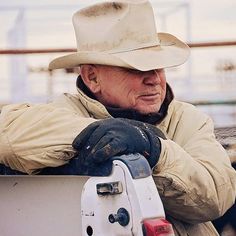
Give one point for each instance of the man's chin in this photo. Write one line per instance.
(148, 111)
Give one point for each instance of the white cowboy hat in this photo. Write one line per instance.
(122, 33)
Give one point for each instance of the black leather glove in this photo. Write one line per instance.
(117, 136)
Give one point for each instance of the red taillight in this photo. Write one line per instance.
(157, 227)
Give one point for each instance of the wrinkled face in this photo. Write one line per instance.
(131, 89)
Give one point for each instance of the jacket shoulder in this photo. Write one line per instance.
(185, 119)
(185, 111)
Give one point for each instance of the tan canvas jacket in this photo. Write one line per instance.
(193, 175)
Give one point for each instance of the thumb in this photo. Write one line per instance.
(107, 148)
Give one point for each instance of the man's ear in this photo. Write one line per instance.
(89, 75)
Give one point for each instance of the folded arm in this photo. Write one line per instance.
(194, 175)
(36, 136)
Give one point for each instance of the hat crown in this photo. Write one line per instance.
(122, 33)
(115, 26)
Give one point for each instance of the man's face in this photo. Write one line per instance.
(131, 89)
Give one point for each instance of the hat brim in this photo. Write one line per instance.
(171, 52)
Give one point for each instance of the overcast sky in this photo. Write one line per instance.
(198, 20)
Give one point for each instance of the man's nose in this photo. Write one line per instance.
(151, 77)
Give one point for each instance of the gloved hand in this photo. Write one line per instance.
(117, 136)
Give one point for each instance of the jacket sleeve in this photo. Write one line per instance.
(194, 176)
(37, 136)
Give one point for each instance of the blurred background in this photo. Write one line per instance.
(34, 32)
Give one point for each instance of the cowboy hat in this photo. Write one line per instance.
(122, 33)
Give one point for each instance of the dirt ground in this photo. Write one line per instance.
(227, 137)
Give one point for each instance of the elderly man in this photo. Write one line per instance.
(124, 105)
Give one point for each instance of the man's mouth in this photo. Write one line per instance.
(150, 96)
